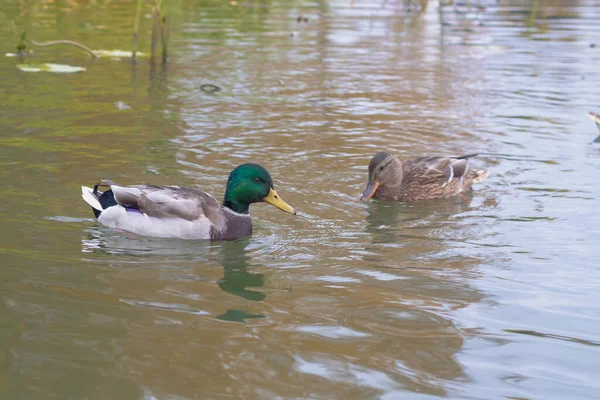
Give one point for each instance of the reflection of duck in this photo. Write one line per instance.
(389, 220)
(382, 220)
(420, 178)
(412, 248)
(235, 277)
(186, 213)
(147, 249)
(231, 255)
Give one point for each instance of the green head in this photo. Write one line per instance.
(251, 183)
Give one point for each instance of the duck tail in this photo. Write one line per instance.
(99, 201)
(480, 174)
(465, 157)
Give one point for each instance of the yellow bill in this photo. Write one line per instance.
(274, 200)
(369, 190)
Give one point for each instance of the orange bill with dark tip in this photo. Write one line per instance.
(369, 190)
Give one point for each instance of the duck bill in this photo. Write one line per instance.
(369, 190)
(274, 200)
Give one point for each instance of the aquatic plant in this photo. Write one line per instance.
(22, 47)
(161, 29)
(136, 26)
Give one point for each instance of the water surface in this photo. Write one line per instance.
(490, 295)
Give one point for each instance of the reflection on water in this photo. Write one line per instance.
(493, 294)
(379, 303)
(146, 252)
(236, 279)
(384, 218)
(115, 242)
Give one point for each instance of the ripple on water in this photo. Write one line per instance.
(342, 371)
(337, 279)
(331, 332)
(165, 306)
(380, 276)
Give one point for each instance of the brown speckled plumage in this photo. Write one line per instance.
(419, 178)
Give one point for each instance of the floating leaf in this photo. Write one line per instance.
(56, 68)
(26, 68)
(22, 54)
(117, 53)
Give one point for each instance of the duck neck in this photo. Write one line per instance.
(240, 208)
(233, 225)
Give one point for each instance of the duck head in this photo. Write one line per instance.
(250, 183)
(384, 170)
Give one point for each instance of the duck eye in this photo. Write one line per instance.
(381, 168)
(257, 180)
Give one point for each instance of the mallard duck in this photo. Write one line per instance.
(420, 178)
(183, 212)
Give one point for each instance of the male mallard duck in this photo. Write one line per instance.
(420, 178)
(182, 212)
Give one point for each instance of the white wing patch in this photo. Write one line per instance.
(451, 175)
(466, 171)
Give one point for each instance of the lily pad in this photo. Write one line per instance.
(118, 53)
(48, 67)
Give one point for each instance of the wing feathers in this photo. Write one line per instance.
(126, 195)
(438, 169)
(169, 201)
(167, 204)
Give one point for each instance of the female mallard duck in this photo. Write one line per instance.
(182, 212)
(420, 178)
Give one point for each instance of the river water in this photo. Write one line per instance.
(492, 295)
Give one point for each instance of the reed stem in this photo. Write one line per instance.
(136, 26)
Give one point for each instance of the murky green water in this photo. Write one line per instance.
(493, 296)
